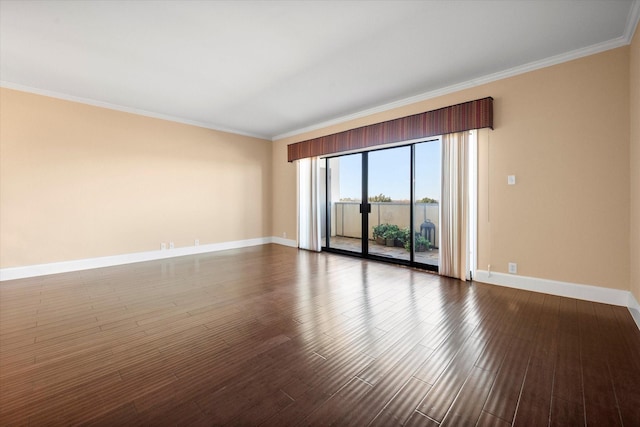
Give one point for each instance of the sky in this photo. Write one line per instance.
(389, 172)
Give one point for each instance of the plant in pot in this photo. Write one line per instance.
(402, 237)
(378, 233)
(390, 235)
(421, 243)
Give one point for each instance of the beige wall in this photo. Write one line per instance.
(285, 196)
(78, 181)
(635, 165)
(564, 132)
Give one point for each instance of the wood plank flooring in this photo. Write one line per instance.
(273, 336)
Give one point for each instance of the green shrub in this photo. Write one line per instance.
(427, 200)
(391, 232)
(379, 230)
(380, 198)
(419, 241)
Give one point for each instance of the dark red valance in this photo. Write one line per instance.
(470, 115)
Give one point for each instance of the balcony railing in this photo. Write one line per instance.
(346, 222)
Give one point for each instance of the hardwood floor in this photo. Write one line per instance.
(274, 336)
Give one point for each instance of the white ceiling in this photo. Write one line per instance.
(271, 68)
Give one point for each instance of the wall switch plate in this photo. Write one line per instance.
(284, 234)
(513, 268)
(170, 245)
(511, 179)
(196, 242)
(163, 246)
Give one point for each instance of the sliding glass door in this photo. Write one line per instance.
(342, 225)
(389, 194)
(383, 204)
(426, 205)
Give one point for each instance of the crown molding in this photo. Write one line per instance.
(630, 28)
(632, 21)
(511, 72)
(101, 104)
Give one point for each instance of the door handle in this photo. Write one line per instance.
(368, 207)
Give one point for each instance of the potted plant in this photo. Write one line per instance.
(390, 234)
(390, 237)
(421, 243)
(402, 237)
(378, 233)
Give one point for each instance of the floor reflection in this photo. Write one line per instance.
(429, 257)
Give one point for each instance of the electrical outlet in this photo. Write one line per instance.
(513, 268)
(170, 245)
(284, 234)
(163, 246)
(196, 242)
(511, 179)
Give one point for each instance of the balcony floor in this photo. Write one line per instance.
(429, 257)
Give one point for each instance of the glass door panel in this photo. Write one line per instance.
(344, 188)
(426, 207)
(389, 190)
(391, 227)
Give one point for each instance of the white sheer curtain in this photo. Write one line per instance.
(455, 206)
(309, 204)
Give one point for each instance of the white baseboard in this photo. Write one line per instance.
(284, 242)
(634, 309)
(553, 287)
(564, 289)
(109, 261)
